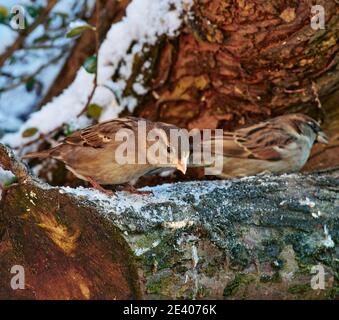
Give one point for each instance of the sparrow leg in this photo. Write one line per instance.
(98, 187)
(129, 188)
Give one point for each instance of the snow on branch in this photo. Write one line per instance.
(144, 23)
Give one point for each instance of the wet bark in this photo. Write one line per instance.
(258, 237)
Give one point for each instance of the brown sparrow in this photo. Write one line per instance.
(91, 153)
(279, 145)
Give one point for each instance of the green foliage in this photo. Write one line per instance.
(77, 31)
(34, 11)
(10, 181)
(43, 38)
(3, 14)
(94, 111)
(30, 84)
(90, 64)
(29, 132)
(68, 130)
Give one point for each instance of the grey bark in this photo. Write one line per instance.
(257, 237)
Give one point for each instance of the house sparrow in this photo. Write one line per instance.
(279, 145)
(91, 153)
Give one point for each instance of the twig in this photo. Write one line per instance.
(97, 45)
(22, 37)
(25, 78)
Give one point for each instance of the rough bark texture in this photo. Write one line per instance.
(238, 62)
(241, 60)
(252, 238)
(68, 251)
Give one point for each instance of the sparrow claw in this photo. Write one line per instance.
(98, 187)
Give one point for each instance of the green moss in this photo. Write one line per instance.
(271, 252)
(239, 280)
(333, 293)
(159, 285)
(164, 252)
(154, 288)
(265, 278)
(211, 269)
(180, 269)
(240, 257)
(203, 293)
(299, 288)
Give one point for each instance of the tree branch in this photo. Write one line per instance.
(257, 237)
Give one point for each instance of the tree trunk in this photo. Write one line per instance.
(238, 62)
(257, 237)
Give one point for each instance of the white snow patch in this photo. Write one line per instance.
(178, 224)
(79, 123)
(144, 22)
(140, 251)
(307, 202)
(139, 89)
(195, 256)
(316, 215)
(155, 243)
(328, 242)
(77, 24)
(8, 37)
(5, 176)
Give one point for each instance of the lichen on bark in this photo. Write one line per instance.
(256, 237)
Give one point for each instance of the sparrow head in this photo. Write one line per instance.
(165, 152)
(308, 127)
(321, 136)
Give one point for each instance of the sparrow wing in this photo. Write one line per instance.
(98, 136)
(261, 142)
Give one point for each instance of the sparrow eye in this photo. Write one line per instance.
(314, 126)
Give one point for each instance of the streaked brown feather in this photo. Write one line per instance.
(98, 136)
(256, 142)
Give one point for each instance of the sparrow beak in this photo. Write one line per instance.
(322, 137)
(182, 165)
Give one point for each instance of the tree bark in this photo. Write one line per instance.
(239, 62)
(236, 62)
(257, 237)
